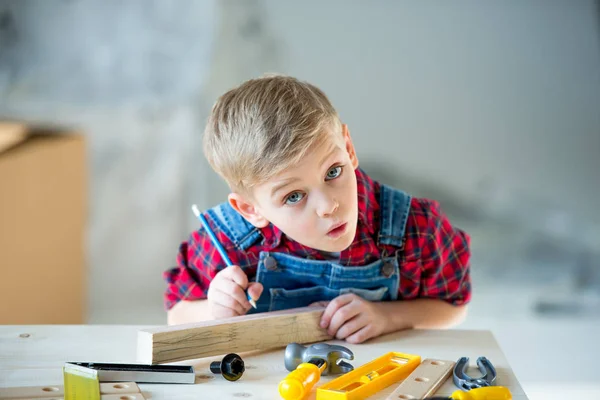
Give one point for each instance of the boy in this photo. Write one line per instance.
(305, 226)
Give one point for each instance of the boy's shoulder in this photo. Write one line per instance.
(417, 218)
(398, 210)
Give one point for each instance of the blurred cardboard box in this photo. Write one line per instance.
(43, 206)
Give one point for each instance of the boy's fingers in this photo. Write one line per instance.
(225, 300)
(319, 304)
(333, 306)
(237, 275)
(350, 326)
(361, 335)
(218, 312)
(231, 289)
(342, 317)
(255, 289)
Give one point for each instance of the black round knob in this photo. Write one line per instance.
(231, 367)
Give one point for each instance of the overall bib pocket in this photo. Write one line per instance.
(282, 299)
(379, 294)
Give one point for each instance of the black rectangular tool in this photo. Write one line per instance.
(141, 373)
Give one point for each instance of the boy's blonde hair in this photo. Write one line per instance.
(264, 126)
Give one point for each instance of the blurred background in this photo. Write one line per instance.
(491, 108)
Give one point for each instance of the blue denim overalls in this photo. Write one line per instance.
(290, 281)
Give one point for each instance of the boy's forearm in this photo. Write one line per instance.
(422, 314)
(185, 312)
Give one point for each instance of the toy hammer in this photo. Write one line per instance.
(296, 354)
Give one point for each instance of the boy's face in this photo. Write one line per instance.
(314, 202)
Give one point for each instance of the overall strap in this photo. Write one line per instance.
(241, 232)
(394, 205)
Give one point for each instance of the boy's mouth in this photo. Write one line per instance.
(337, 230)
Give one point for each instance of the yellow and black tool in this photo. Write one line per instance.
(298, 384)
(83, 379)
(483, 393)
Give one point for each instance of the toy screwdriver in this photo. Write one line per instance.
(484, 393)
(300, 381)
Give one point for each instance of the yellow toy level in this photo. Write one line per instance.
(370, 377)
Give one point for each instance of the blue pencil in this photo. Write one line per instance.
(216, 243)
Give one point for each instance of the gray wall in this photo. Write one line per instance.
(129, 75)
(492, 99)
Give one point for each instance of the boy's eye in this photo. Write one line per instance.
(294, 198)
(333, 173)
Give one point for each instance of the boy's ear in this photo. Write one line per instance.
(247, 210)
(350, 146)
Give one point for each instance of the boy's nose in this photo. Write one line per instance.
(327, 207)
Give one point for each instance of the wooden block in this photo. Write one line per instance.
(33, 398)
(33, 392)
(108, 391)
(245, 333)
(424, 380)
(118, 387)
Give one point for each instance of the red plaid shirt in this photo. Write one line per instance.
(433, 264)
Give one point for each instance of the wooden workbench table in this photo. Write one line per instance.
(34, 356)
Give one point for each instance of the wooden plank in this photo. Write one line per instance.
(108, 391)
(424, 380)
(238, 334)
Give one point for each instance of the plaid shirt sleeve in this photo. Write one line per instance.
(191, 278)
(198, 262)
(443, 253)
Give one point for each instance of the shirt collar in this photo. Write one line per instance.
(368, 208)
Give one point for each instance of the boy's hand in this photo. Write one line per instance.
(353, 318)
(226, 294)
